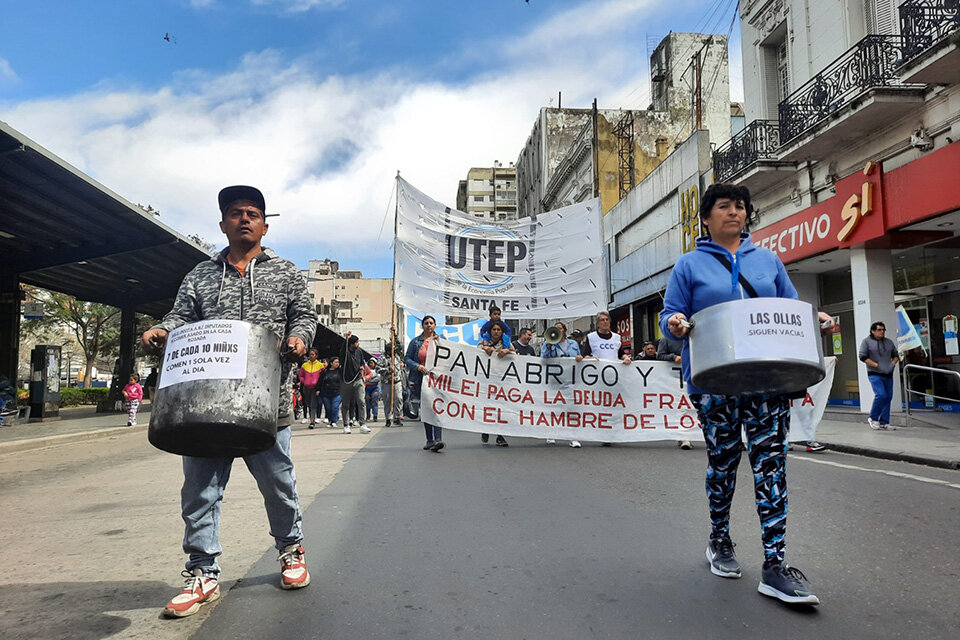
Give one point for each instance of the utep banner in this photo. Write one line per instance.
(591, 400)
(545, 267)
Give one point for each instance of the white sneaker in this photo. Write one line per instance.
(364, 429)
(873, 424)
(353, 423)
(326, 421)
(346, 429)
(333, 425)
(304, 421)
(575, 444)
(551, 441)
(885, 427)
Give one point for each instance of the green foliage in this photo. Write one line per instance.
(76, 396)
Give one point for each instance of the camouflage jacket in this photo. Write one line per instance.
(271, 293)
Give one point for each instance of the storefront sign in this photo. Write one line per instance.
(851, 217)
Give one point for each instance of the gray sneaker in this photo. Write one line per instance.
(723, 562)
(787, 584)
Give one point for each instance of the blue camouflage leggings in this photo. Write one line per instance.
(765, 420)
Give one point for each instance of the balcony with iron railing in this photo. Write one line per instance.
(757, 142)
(847, 99)
(932, 32)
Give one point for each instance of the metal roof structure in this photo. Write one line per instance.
(62, 230)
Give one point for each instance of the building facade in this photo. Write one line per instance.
(489, 193)
(850, 152)
(574, 154)
(342, 297)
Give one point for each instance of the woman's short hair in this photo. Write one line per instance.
(723, 190)
(313, 350)
(425, 318)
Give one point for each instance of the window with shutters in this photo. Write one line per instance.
(775, 58)
(881, 17)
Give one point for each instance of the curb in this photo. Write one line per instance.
(29, 444)
(940, 463)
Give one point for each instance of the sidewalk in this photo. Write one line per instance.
(847, 432)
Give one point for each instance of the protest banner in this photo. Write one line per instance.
(547, 266)
(560, 398)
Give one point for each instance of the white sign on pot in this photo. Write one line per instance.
(205, 350)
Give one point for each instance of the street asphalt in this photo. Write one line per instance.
(533, 541)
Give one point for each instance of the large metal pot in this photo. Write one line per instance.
(218, 390)
(756, 346)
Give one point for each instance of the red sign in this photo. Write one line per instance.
(622, 326)
(851, 217)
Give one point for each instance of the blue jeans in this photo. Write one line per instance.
(882, 395)
(372, 394)
(204, 480)
(331, 406)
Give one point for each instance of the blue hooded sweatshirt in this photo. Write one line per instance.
(699, 281)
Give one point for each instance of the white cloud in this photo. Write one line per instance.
(325, 150)
(297, 6)
(7, 74)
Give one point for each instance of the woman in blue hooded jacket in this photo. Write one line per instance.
(700, 280)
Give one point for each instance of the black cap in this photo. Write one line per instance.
(353, 340)
(229, 195)
(577, 334)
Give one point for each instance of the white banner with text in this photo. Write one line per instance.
(449, 262)
(591, 400)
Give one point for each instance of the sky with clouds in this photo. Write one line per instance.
(317, 102)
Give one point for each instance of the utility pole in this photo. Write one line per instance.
(596, 156)
(698, 91)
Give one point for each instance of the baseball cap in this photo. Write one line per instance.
(577, 334)
(229, 195)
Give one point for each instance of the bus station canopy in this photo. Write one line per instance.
(63, 231)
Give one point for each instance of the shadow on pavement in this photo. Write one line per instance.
(75, 610)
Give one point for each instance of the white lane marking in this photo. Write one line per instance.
(895, 474)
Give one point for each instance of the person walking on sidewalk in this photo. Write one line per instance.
(224, 287)
(351, 392)
(371, 389)
(132, 397)
(880, 355)
(724, 265)
(309, 376)
(331, 382)
(392, 375)
(416, 360)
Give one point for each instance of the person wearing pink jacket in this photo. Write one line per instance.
(132, 396)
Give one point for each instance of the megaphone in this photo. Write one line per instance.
(552, 335)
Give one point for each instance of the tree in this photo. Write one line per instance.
(95, 326)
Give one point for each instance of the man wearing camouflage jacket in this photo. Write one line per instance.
(242, 282)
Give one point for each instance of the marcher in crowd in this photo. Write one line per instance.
(329, 386)
(603, 343)
(880, 355)
(132, 397)
(648, 351)
(669, 350)
(392, 372)
(416, 360)
(495, 314)
(578, 336)
(224, 287)
(566, 348)
(309, 376)
(371, 389)
(522, 345)
(701, 279)
(498, 343)
(352, 392)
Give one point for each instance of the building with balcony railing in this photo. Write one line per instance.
(851, 154)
